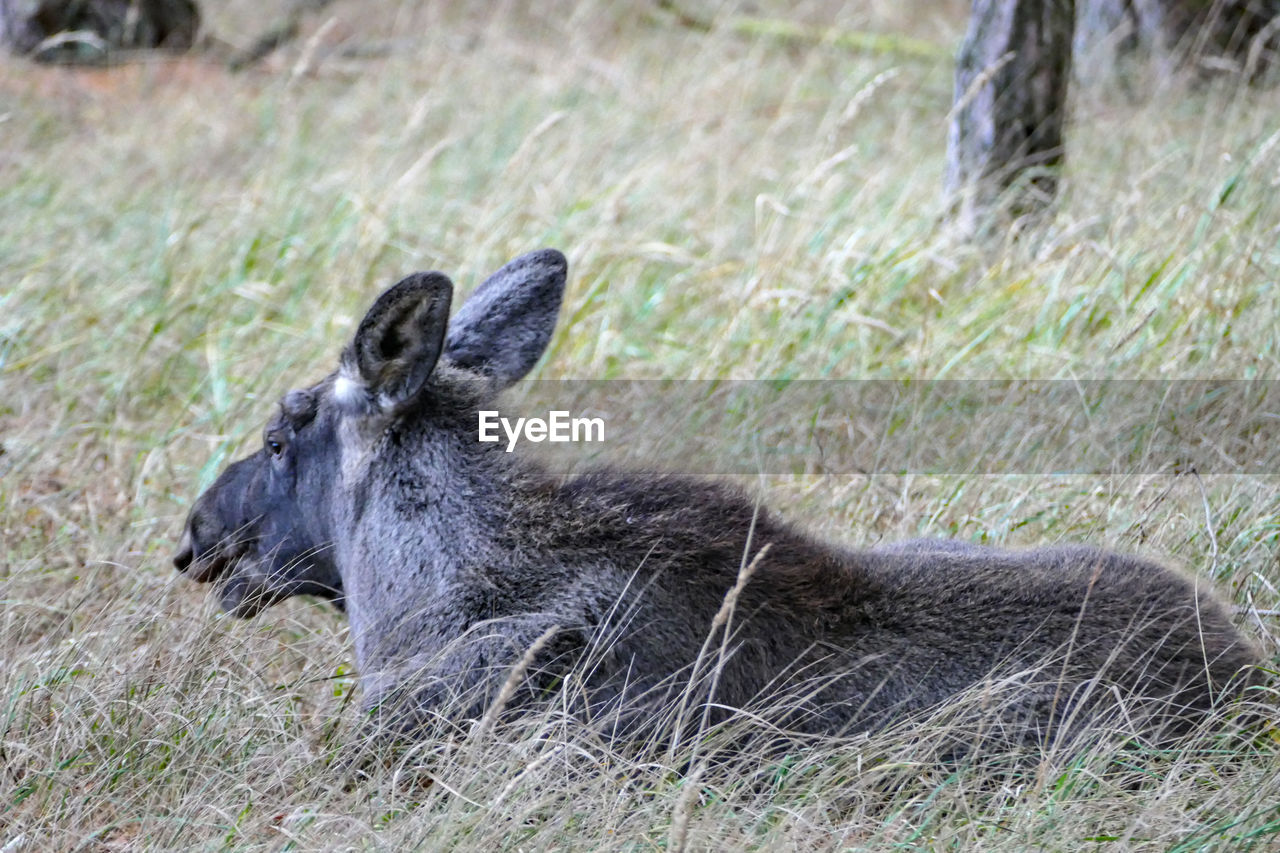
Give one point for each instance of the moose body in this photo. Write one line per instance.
(631, 595)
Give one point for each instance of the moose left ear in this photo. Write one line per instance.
(505, 325)
(397, 344)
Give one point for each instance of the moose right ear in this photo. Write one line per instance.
(396, 346)
(506, 324)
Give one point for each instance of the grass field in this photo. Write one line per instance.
(180, 245)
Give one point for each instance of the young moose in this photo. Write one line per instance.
(456, 562)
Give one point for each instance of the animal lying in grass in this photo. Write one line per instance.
(635, 598)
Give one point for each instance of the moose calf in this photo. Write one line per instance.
(458, 564)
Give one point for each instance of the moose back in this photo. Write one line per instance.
(628, 594)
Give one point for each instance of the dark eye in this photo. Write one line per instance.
(275, 447)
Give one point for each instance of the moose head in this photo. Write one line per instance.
(266, 529)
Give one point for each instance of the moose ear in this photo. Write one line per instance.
(396, 346)
(506, 324)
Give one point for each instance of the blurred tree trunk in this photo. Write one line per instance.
(1208, 35)
(88, 30)
(1004, 144)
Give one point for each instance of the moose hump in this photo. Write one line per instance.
(458, 563)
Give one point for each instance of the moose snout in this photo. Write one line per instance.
(201, 567)
(186, 552)
(202, 557)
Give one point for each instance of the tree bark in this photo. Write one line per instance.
(88, 30)
(1004, 143)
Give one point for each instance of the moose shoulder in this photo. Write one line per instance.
(455, 560)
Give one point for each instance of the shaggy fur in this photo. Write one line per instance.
(453, 559)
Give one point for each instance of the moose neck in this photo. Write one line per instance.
(429, 514)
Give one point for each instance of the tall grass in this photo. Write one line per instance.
(181, 245)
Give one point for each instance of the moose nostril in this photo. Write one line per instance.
(185, 554)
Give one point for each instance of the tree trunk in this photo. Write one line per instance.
(88, 30)
(1004, 144)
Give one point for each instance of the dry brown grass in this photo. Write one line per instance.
(180, 245)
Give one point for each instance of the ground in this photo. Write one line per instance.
(181, 244)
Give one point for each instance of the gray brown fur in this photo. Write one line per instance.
(451, 557)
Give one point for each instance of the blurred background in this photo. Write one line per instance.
(744, 191)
